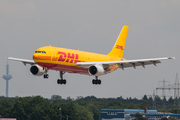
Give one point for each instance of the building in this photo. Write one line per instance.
(129, 114)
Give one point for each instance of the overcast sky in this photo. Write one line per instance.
(93, 26)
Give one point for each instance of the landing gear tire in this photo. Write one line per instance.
(61, 81)
(99, 82)
(46, 76)
(93, 81)
(96, 81)
(64, 81)
(58, 81)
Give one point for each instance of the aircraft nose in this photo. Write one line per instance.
(41, 57)
(35, 56)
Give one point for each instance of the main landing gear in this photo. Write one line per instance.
(96, 81)
(61, 81)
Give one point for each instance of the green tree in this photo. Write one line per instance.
(36, 108)
(40, 109)
(171, 118)
(19, 109)
(84, 113)
(56, 97)
(5, 107)
(140, 117)
(145, 97)
(68, 109)
(171, 100)
(83, 103)
(164, 118)
(176, 110)
(95, 111)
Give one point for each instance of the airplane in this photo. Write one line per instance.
(81, 62)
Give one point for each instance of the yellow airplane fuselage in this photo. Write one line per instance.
(62, 59)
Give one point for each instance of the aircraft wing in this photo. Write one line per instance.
(24, 61)
(126, 63)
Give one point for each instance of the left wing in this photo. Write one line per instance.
(126, 63)
(24, 61)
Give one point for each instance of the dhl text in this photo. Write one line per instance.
(68, 57)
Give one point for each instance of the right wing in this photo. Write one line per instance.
(24, 61)
(126, 63)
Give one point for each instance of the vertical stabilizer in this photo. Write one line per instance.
(119, 46)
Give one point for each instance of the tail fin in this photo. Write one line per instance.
(119, 46)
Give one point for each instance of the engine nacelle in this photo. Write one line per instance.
(96, 70)
(37, 70)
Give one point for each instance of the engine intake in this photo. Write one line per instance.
(96, 70)
(37, 70)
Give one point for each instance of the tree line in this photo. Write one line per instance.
(81, 108)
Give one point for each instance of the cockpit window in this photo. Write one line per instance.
(40, 52)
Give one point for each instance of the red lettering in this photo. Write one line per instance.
(67, 60)
(71, 56)
(71, 61)
(68, 57)
(77, 56)
(77, 61)
(119, 47)
(62, 56)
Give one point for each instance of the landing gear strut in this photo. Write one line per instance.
(96, 81)
(61, 81)
(46, 76)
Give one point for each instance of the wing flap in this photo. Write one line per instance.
(134, 64)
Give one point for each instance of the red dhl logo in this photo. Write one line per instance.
(119, 47)
(68, 57)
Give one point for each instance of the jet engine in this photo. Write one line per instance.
(37, 70)
(96, 70)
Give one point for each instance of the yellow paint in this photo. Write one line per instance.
(83, 56)
(52, 55)
(119, 46)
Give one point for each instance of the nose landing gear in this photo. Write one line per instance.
(46, 76)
